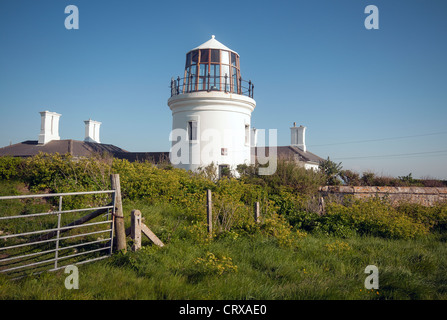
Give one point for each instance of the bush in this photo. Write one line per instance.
(277, 227)
(60, 173)
(288, 175)
(331, 170)
(213, 264)
(374, 217)
(10, 167)
(288, 198)
(433, 218)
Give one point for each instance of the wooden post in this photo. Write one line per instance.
(257, 212)
(209, 212)
(321, 206)
(120, 231)
(136, 229)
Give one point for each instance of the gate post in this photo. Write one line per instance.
(119, 216)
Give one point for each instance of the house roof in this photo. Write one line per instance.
(84, 149)
(291, 152)
(75, 147)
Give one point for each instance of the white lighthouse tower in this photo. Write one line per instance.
(211, 110)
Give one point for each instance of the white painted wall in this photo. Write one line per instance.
(92, 131)
(49, 128)
(221, 119)
(312, 166)
(298, 137)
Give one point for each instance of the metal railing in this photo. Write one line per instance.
(19, 251)
(194, 83)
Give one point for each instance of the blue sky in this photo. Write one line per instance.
(374, 100)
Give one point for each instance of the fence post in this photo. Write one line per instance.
(321, 209)
(257, 212)
(135, 229)
(119, 216)
(209, 212)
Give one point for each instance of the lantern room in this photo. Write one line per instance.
(212, 67)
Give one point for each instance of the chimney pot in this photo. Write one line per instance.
(92, 131)
(298, 137)
(49, 129)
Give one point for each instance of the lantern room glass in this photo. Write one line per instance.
(212, 69)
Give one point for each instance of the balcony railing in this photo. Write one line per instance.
(210, 83)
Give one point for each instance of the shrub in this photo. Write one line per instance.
(288, 174)
(375, 217)
(433, 218)
(10, 167)
(213, 264)
(350, 178)
(338, 225)
(331, 170)
(277, 227)
(338, 247)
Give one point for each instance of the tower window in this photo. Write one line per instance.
(215, 56)
(195, 57)
(210, 70)
(247, 134)
(192, 130)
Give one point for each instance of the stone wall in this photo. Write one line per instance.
(421, 195)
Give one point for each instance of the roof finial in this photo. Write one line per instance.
(213, 36)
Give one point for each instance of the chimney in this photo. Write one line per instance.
(298, 137)
(49, 128)
(92, 131)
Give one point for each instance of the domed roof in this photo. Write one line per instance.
(213, 44)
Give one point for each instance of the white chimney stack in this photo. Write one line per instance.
(49, 128)
(92, 131)
(298, 137)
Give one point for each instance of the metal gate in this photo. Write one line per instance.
(34, 242)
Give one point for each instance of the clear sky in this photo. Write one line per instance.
(374, 100)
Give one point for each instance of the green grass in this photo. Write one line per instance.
(314, 267)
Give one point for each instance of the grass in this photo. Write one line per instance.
(242, 265)
(315, 267)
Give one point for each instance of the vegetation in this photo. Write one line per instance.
(294, 253)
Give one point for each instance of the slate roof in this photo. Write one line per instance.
(291, 152)
(75, 147)
(84, 149)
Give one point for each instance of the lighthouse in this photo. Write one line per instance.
(211, 108)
